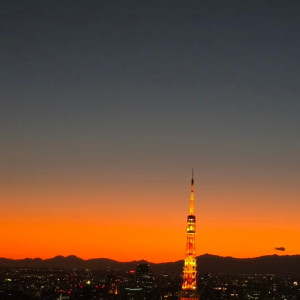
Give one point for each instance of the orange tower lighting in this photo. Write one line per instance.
(189, 278)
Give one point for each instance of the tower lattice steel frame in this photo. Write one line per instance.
(189, 278)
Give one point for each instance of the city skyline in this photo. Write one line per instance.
(106, 107)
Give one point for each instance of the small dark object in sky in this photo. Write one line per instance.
(280, 248)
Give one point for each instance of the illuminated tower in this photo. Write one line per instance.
(189, 281)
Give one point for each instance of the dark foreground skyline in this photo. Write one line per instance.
(141, 282)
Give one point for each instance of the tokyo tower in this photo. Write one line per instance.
(189, 280)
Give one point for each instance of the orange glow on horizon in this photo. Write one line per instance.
(88, 237)
(125, 228)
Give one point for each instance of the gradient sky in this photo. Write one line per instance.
(107, 105)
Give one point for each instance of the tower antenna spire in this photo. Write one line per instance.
(192, 194)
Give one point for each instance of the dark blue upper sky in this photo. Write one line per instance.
(151, 87)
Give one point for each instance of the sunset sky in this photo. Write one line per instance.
(107, 105)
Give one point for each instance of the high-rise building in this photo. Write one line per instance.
(144, 277)
(145, 281)
(189, 278)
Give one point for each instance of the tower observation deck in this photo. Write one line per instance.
(189, 278)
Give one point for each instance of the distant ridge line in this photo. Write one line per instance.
(288, 265)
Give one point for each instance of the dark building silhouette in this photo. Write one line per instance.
(145, 280)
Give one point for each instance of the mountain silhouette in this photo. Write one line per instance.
(288, 265)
